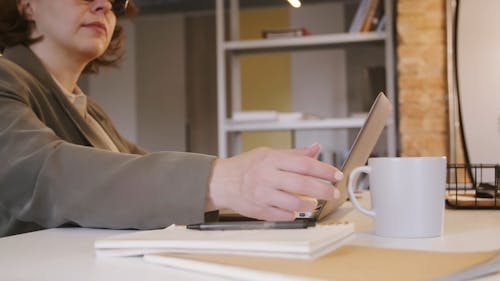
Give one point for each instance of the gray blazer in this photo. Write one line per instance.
(55, 171)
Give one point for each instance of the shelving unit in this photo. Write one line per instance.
(233, 48)
(296, 43)
(337, 123)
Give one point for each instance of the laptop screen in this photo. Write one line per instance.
(360, 151)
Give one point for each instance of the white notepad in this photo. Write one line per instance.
(308, 243)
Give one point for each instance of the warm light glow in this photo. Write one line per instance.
(295, 3)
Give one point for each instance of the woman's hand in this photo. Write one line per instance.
(272, 184)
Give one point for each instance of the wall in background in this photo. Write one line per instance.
(319, 79)
(146, 96)
(265, 78)
(115, 88)
(201, 84)
(422, 91)
(161, 91)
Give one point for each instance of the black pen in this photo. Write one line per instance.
(247, 225)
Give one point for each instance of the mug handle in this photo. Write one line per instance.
(350, 190)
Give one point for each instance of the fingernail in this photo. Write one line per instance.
(312, 145)
(339, 175)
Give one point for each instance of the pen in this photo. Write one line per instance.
(246, 225)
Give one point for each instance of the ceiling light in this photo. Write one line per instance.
(295, 3)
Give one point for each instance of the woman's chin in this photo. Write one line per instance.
(92, 52)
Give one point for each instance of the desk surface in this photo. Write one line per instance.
(68, 253)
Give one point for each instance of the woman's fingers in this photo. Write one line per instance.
(271, 213)
(309, 151)
(291, 202)
(272, 184)
(304, 185)
(300, 164)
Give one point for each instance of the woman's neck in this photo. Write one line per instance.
(65, 67)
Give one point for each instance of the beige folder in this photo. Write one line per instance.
(346, 263)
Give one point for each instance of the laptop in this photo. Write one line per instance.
(359, 153)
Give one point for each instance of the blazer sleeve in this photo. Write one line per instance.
(48, 182)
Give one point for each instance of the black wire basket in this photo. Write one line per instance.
(473, 186)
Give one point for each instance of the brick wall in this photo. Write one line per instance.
(422, 92)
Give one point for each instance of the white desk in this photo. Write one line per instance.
(68, 253)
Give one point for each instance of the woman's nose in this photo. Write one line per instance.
(101, 5)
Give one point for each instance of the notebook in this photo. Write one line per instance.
(360, 151)
(307, 243)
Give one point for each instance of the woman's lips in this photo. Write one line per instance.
(97, 26)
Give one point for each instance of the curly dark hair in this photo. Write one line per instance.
(15, 29)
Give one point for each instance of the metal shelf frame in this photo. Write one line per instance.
(233, 47)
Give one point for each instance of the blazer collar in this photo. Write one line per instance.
(24, 57)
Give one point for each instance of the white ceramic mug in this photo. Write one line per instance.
(407, 195)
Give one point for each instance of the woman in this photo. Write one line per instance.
(63, 162)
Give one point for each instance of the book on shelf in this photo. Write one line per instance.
(254, 115)
(368, 16)
(380, 24)
(359, 16)
(306, 243)
(378, 17)
(271, 116)
(291, 116)
(285, 33)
